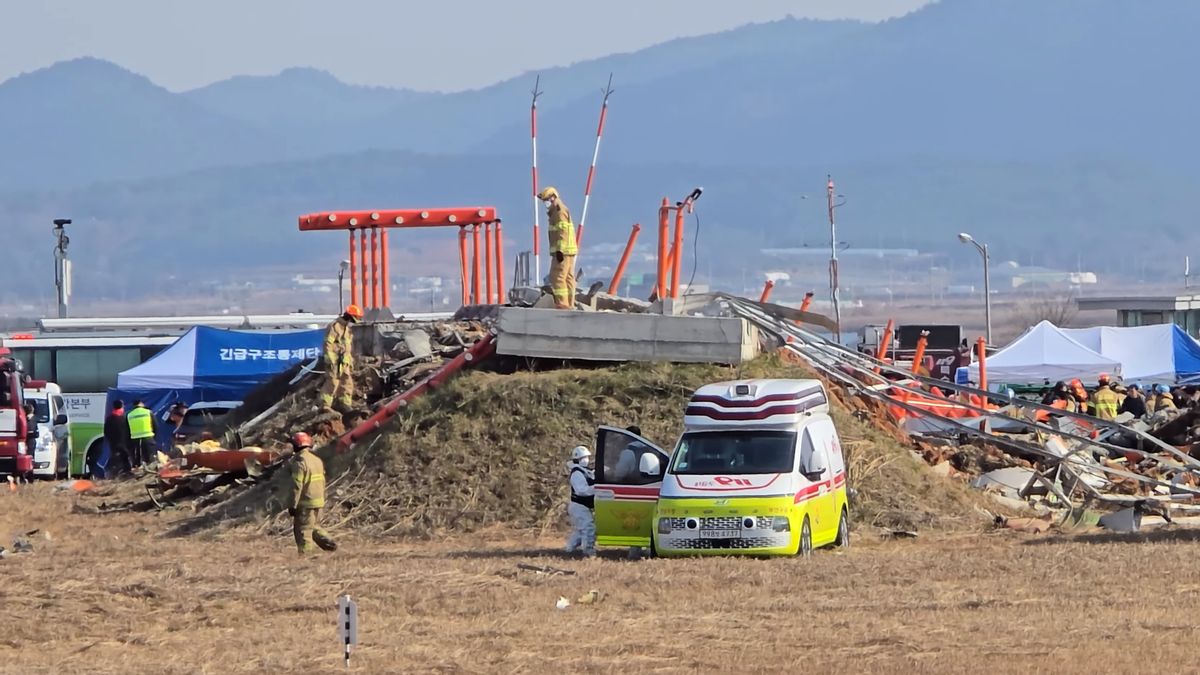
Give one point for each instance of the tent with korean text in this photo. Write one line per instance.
(211, 364)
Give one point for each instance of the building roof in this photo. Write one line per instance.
(1141, 302)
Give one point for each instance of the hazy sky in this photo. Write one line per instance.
(446, 45)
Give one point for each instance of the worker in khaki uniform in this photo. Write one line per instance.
(339, 361)
(1105, 401)
(308, 496)
(563, 249)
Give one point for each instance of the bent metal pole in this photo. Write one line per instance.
(587, 188)
(537, 206)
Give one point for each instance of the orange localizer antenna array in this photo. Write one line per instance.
(370, 284)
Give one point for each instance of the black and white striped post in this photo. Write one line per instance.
(347, 624)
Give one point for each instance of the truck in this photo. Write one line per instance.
(943, 346)
(758, 470)
(52, 453)
(15, 459)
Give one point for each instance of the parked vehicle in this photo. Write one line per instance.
(52, 453)
(15, 457)
(758, 470)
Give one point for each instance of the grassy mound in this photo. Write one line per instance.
(491, 449)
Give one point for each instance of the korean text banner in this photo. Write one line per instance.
(223, 354)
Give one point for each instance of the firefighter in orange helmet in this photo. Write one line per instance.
(338, 386)
(308, 496)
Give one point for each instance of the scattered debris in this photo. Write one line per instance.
(589, 598)
(562, 603)
(544, 569)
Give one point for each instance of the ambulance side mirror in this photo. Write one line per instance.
(60, 420)
(649, 465)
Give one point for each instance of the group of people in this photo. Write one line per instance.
(134, 437)
(1111, 398)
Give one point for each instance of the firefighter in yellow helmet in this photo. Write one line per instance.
(308, 496)
(338, 386)
(563, 249)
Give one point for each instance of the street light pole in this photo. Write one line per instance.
(987, 289)
(62, 266)
(833, 259)
(345, 265)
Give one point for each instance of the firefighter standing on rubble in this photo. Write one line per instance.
(308, 496)
(579, 509)
(338, 386)
(563, 249)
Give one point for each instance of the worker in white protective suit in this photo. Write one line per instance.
(579, 509)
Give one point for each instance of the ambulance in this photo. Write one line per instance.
(758, 470)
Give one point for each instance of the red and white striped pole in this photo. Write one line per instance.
(537, 205)
(587, 189)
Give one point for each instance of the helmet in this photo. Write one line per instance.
(580, 452)
(355, 311)
(301, 440)
(547, 193)
(1103, 379)
(1162, 389)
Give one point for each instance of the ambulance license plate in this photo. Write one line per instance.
(720, 534)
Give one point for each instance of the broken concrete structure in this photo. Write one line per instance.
(611, 336)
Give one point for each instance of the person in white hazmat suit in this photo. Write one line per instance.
(579, 509)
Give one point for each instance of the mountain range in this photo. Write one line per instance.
(1061, 126)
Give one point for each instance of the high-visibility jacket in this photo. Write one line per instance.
(339, 344)
(1161, 402)
(141, 423)
(561, 230)
(308, 481)
(1105, 401)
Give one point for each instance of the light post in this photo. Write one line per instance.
(62, 265)
(345, 265)
(987, 291)
(834, 281)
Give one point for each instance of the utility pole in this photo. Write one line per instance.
(833, 260)
(62, 265)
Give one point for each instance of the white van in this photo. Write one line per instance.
(53, 440)
(758, 470)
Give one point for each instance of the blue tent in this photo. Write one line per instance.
(210, 364)
(1156, 354)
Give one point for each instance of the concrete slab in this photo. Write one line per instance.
(611, 336)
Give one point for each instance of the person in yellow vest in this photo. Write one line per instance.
(1105, 401)
(308, 496)
(563, 249)
(339, 361)
(142, 429)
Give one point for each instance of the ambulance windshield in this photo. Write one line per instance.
(735, 452)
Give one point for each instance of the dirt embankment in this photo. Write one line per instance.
(491, 449)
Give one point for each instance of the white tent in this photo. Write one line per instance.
(1161, 353)
(1045, 353)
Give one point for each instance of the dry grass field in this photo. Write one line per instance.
(113, 594)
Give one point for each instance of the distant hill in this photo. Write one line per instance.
(86, 119)
(299, 100)
(984, 80)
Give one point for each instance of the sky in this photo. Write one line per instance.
(446, 46)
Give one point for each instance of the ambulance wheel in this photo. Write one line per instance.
(805, 539)
(843, 535)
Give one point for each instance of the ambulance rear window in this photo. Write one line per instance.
(735, 452)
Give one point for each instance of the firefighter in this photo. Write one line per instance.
(142, 428)
(308, 496)
(562, 249)
(579, 509)
(338, 386)
(1105, 400)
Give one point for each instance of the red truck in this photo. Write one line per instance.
(16, 457)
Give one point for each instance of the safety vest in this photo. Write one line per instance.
(561, 231)
(584, 500)
(141, 425)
